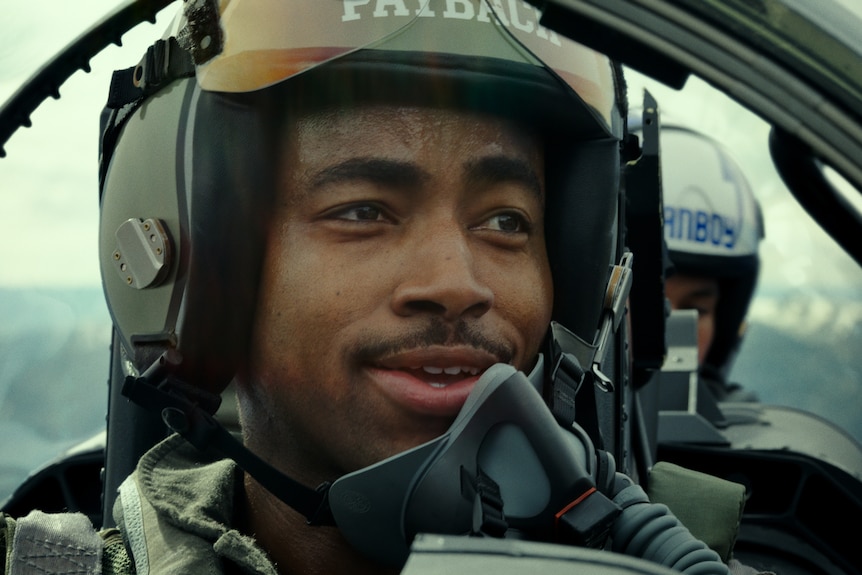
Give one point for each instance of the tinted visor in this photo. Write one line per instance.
(268, 41)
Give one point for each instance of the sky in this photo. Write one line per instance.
(48, 193)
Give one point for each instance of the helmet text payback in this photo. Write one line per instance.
(512, 13)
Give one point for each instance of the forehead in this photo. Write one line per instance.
(403, 132)
(687, 284)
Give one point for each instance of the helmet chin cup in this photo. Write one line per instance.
(504, 453)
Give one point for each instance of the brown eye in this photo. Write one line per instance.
(510, 223)
(361, 213)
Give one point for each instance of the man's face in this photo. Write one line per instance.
(406, 257)
(697, 293)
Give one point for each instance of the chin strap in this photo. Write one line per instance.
(188, 412)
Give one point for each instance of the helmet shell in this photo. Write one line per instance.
(712, 226)
(709, 208)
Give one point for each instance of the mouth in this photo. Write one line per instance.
(431, 381)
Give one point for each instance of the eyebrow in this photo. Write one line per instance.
(493, 169)
(394, 173)
(406, 175)
(711, 290)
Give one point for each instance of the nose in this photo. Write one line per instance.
(440, 278)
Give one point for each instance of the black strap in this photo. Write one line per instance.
(488, 517)
(188, 412)
(588, 414)
(572, 395)
(204, 432)
(566, 382)
(164, 62)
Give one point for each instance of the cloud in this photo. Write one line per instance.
(796, 252)
(48, 181)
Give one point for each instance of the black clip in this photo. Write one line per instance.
(164, 62)
(488, 517)
(587, 520)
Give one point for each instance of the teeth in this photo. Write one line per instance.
(455, 370)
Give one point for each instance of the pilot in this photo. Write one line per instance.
(713, 227)
(389, 224)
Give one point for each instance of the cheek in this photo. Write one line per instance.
(705, 333)
(545, 302)
(538, 297)
(543, 287)
(527, 301)
(312, 291)
(283, 303)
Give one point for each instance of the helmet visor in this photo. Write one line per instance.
(268, 41)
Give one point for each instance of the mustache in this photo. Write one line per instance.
(434, 332)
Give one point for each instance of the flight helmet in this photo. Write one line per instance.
(189, 145)
(713, 226)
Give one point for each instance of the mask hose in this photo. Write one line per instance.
(650, 531)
